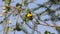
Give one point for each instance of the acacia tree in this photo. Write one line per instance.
(21, 10)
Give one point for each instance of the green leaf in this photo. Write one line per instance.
(7, 1)
(54, 1)
(25, 2)
(58, 14)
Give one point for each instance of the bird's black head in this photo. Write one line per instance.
(18, 4)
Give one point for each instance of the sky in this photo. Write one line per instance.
(41, 28)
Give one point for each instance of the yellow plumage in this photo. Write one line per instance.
(29, 15)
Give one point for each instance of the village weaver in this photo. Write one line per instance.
(29, 15)
(18, 6)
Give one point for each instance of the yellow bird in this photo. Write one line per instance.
(29, 15)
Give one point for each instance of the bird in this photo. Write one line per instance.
(29, 16)
(18, 6)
